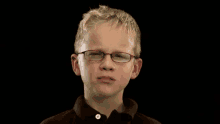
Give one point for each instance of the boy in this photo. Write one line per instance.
(107, 48)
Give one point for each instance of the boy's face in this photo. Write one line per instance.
(108, 40)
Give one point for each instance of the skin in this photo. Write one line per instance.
(106, 97)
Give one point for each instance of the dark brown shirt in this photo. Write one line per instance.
(82, 113)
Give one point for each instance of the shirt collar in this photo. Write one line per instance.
(84, 111)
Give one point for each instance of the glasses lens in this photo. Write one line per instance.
(117, 57)
(94, 55)
(121, 57)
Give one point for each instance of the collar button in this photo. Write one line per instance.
(97, 116)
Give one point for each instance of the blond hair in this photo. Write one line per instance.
(107, 14)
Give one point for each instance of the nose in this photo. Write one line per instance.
(107, 57)
(107, 63)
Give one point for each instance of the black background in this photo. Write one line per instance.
(172, 87)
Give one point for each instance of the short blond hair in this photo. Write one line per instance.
(107, 14)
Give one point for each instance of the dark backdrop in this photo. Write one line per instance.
(173, 84)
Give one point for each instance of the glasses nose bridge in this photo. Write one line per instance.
(104, 54)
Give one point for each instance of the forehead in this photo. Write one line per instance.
(108, 38)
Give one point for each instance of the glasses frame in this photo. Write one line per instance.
(131, 56)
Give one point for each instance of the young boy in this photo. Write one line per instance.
(107, 48)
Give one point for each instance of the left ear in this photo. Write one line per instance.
(137, 68)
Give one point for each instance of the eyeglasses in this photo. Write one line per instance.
(95, 55)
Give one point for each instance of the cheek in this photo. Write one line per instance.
(125, 74)
(92, 71)
(128, 70)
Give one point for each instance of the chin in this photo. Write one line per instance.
(106, 94)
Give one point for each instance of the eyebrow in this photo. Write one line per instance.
(113, 51)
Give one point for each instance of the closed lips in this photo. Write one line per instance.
(104, 77)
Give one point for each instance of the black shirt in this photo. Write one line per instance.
(82, 113)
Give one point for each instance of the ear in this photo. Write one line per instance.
(75, 65)
(137, 68)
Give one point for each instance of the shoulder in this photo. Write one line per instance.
(62, 117)
(145, 119)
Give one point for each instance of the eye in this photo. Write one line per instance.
(95, 53)
(119, 55)
(122, 55)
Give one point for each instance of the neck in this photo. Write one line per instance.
(105, 104)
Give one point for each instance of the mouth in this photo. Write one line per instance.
(106, 78)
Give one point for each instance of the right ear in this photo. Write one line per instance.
(75, 66)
